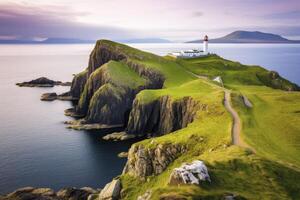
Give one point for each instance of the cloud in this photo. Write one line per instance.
(198, 14)
(294, 14)
(51, 21)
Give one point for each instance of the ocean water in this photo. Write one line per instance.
(35, 147)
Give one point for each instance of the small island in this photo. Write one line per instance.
(43, 82)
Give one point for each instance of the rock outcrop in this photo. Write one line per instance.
(100, 93)
(53, 96)
(111, 191)
(78, 84)
(143, 162)
(43, 82)
(274, 80)
(118, 136)
(30, 193)
(192, 173)
(162, 116)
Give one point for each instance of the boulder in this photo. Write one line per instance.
(123, 155)
(49, 96)
(192, 173)
(111, 191)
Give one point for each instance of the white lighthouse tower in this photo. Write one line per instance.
(205, 44)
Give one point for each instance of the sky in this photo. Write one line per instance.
(176, 20)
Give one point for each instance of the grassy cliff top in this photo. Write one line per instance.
(174, 74)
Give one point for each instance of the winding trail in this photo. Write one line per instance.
(236, 127)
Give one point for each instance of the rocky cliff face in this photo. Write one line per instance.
(78, 84)
(110, 105)
(143, 162)
(101, 54)
(100, 95)
(162, 116)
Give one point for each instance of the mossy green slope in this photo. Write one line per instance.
(173, 72)
(271, 126)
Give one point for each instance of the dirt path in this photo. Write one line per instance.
(236, 127)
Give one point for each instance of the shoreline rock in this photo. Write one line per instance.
(111, 191)
(83, 125)
(118, 136)
(53, 96)
(123, 155)
(43, 82)
(32, 193)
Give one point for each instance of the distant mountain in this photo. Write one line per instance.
(249, 37)
(48, 41)
(146, 40)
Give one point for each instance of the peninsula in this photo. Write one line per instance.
(207, 139)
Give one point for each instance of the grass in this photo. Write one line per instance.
(198, 89)
(173, 72)
(235, 72)
(121, 75)
(272, 125)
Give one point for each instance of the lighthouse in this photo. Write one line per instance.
(205, 44)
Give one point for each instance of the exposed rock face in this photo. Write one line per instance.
(106, 101)
(101, 54)
(162, 116)
(99, 95)
(102, 96)
(111, 191)
(192, 173)
(78, 83)
(42, 82)
(143, 162)
(30, 193)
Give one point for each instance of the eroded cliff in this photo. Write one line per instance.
(163, 115)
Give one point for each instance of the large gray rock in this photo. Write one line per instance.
(190, 173)
(111, 191)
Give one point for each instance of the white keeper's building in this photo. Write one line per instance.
(194, 52)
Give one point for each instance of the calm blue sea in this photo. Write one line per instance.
(35, 147)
